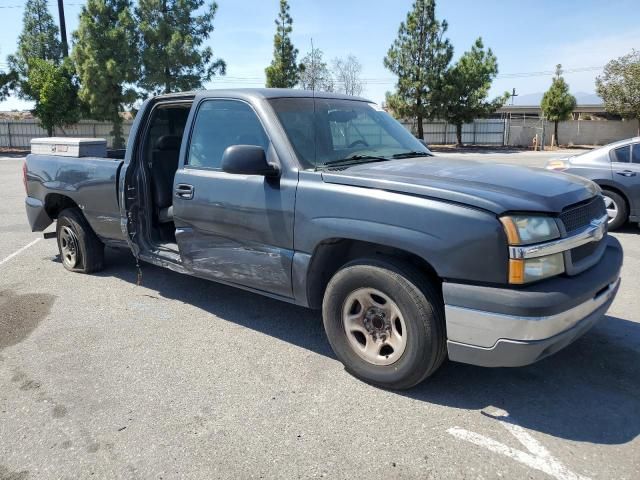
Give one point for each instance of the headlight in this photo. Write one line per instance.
(532, 269)
(526, 230)
(557, 165)
(523, 230)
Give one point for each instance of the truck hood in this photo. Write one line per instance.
(494, 187)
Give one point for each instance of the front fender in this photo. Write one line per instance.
(459, 242)
(403, 238)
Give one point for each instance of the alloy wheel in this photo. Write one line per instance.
(612, 208)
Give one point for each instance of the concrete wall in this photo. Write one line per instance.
(573, 132)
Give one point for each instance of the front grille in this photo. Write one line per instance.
(579, 216)
(583, 251)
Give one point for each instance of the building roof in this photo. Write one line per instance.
(524, 109)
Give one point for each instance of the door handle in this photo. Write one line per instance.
(627, 173)
(184, 190)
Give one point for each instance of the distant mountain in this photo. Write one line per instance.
(583, 98)
(588, 98)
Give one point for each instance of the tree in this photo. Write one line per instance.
(619, 86)
(8, 80)
(56, 93)
(315, 74)
(346, 72)
(106, 60)
(419, 57)
(171, 52)
(39, 40)
(466, 88)
(283, 71)
(557, 103)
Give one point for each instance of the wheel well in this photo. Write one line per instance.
(619, 192)
(54, 203)
(331, 254)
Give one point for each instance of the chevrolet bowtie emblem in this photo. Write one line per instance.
(598, 232)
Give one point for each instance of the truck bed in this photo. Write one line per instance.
(91, 183)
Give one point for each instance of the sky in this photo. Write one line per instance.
(528, 37)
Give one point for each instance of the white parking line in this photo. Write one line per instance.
(19, 251)
(538, 457)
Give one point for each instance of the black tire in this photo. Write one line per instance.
(420, 304)
(622, 210)
(89, 250)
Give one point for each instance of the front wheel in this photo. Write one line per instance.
(385, 322)
(80, 248)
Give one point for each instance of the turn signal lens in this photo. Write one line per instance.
(511, 230)
(516, 271)
(524, 230)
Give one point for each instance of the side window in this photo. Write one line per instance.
(635, 158)
(621, 154)
(166, 127)
(220, 124)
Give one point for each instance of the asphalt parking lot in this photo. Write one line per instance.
(184, 378)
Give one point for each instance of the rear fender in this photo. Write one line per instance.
(39, 220)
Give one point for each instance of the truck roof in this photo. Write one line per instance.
(264, 93)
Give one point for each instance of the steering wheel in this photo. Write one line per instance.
(358, 142)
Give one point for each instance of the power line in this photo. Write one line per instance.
(393, 80)
(50, 3)
(549, 72)
(384, 80)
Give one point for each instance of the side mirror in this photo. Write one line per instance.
(248, 160)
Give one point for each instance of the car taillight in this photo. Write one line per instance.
(24, 176)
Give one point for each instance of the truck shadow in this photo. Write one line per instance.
(291, 323)
(588, 392)
(628, 228)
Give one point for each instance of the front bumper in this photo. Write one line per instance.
(500, 327)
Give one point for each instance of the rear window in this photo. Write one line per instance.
(621, 154)
(636, 153)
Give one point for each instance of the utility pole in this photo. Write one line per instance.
(313, 70)
(513, 95)
(63, 29)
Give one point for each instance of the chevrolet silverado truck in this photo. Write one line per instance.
(326, 201)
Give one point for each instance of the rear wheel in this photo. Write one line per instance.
(80, 248)
(385, 322)
(617, 210)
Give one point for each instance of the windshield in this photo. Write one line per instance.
(328, 131)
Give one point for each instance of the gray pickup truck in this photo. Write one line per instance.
(327, 202)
